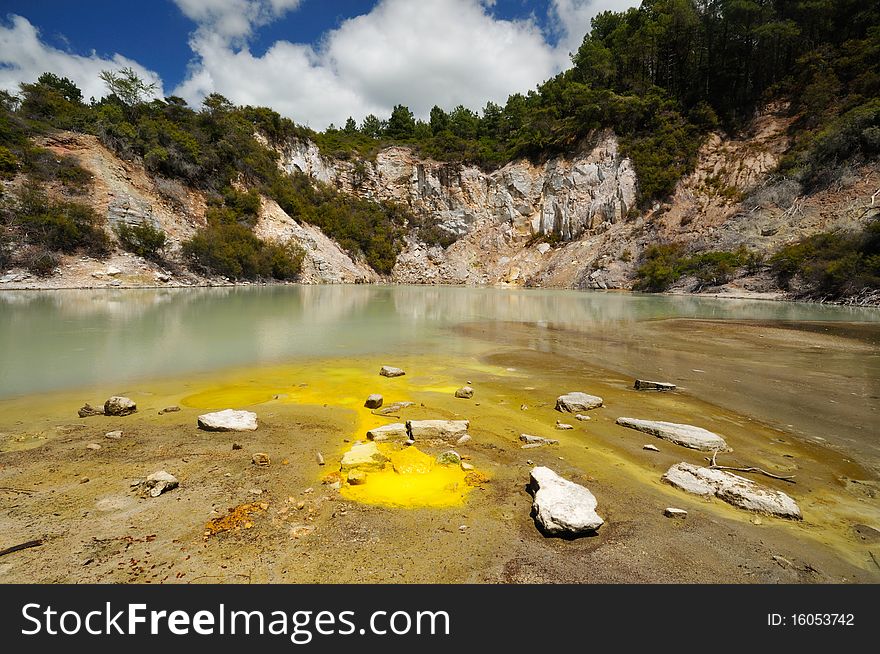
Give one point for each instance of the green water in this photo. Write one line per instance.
(66, 339)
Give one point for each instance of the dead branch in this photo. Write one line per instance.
(21, 546)
(714, 466)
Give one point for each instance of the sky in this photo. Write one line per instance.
(314, 61)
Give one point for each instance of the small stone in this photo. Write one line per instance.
(462, 528)
(365, 456)
(449, 458)
(644, 385)
(466, 466)
(373, 401)
(170, 409)
(782, 561)
(465, 392)
(113, 435)
(84, 480)
(236, 446)
(391, 371)
(651, 448)
(695, 438)
(523, 407)
(119, 406)
(536, 441)
(464, 439)
(319, 458)
(93, 446)
(356, 477)
(575, 402)
(157, 483)
(672, 512)
(260, 459)
(256, 491)
(582, 417)
(88, 411)
(563, 426)
(562, 507)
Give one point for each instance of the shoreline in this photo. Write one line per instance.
(770, 296)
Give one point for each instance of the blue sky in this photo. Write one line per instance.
(316, 61)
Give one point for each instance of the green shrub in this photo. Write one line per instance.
(143, 240)
(658, 271)
(59, 226)
(8, 163)
(663, 265)
(232, 250)
(834, 264)
(40, 262)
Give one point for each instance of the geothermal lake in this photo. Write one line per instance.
(813, 368)
(793, 388)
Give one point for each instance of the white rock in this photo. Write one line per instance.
(112, 270)
(393, 432)
(365, 456)
(425, 429)
(113, 435)
(733, 489)
(582, 417)
(695, 438)
(465, 392)
(561, 506)
(651, 448)
(672, 512)
(543, 248)
(391, 371)
(576, 402)
(158, 483)
(464, 439)
(563, 426)
(228, 420)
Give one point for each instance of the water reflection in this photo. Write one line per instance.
(62, 339)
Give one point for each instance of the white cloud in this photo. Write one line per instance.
(445, 52)
(233, 20)
(24, 57)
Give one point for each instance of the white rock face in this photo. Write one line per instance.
(695, 438)
(393, 432)
(565, 197)
(575, 402)
(447, 429)
(733, 489)
(562, 507)
(363, 456)
(228, 420)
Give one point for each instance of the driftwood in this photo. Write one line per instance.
(21, 546)
(714, 466)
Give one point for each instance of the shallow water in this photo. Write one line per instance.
(66, 339)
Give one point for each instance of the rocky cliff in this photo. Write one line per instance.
(567, 222)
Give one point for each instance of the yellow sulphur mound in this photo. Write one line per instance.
(412, 480)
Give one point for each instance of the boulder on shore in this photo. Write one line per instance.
(393, 432)
(696, 438)
(374, 401)
(562, 507)
(447, 429)
(119, 406)
(576, 402)
(733, 489)
(393, 408)
(391, 371)
(228, 420)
